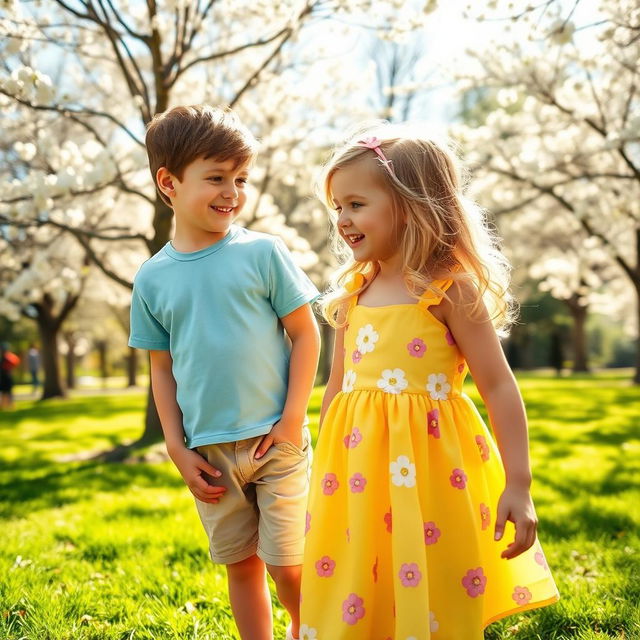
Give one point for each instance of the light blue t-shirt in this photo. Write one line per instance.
(218, 312)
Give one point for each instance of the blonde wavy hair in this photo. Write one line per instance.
(445, 234)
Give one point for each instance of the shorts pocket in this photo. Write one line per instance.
(289, 447)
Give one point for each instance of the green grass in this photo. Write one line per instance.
(94, 550)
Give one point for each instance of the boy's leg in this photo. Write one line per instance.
(250, 599)
(282, 484)
(287, 581)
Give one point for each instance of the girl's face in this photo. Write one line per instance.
(365, 211)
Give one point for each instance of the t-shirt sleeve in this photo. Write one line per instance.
(289, 286)
(146, 331)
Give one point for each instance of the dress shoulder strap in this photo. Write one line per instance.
(355, 283)
(435, 293)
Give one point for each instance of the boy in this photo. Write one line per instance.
(212, 307)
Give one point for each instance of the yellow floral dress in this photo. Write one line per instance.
(404, 490)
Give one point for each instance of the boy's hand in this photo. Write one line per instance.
(282, 431)
(193, 467)
(515, 504)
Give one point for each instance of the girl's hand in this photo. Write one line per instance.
(515, 504)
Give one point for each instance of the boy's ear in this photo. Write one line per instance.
(164, 179)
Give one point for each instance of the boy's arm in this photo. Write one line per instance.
(302, 329)
(481, 348)
(191, 465)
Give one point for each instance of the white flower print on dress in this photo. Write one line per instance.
(393, 381)
(434, 625)
(348, 381)
(438, 386)
(307, 633)
(367, 338)
(403, 472)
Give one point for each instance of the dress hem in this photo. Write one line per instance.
(522, 609)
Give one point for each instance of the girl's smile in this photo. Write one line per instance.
(365, 211)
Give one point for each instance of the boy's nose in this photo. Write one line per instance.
(230, 193)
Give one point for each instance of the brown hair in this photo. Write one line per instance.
(177, 137)
(445, 235)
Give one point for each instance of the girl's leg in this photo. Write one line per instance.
(250, 599)
(287, 581)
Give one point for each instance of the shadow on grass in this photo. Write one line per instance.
(60, 409)
(33, 487)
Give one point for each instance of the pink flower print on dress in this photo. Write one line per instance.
(433, 426)
(356, 356)
(458, 479)
(416, 348)
(521, 595)
(409, 574)
(388, 520)
(485, 516)
(450, 339)
(348, 535)
(483, 447)
(357, 482)
(474, 582)
(352, 609)
(541, 560)
(325, 567)
(329, 484)
(353, 439)
(307, 525)
(375, 570)
(461, 367)
(431, 533)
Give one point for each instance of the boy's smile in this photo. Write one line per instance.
(206, 201)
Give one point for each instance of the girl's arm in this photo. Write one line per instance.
(478, 342)
(190, 464)
(334, 384)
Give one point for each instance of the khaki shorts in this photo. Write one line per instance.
(263, 510)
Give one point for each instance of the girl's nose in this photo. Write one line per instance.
(343, 220)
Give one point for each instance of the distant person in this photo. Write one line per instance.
(8, 362)
(33, 361)
(419, 525)
(215, 307)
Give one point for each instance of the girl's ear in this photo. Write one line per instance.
(165, 181)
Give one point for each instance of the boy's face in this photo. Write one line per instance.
(208, 199)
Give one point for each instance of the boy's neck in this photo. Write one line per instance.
(190, 242)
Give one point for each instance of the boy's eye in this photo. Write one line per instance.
(214, 179)
(242, 181)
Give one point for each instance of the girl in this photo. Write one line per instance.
(410, 497)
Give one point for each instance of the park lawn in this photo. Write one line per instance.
(93, 550)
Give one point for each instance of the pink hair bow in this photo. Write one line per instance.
(374, 144)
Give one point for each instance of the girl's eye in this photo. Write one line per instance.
(356, 205)
(242, 181)
(214, 179)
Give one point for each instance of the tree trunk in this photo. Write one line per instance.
(152, 428)
(132, 367)
(48, 330)
(101, 345)
(578, 333)
(636, 377)
(70, 361)
(326, 355)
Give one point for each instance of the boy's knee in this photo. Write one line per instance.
(285, 575)
(245, 569)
